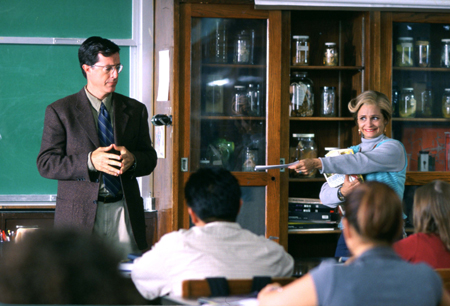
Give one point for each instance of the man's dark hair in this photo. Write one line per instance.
(213, 194)
(63, 266)
(91, 47)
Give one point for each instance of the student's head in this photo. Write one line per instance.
(432, 210)
(213, 194)
(92, 47)
(63, 266)
(372, 112)
(374, 210)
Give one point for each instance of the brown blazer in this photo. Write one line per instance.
(69, 135)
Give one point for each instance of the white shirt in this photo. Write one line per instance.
(216, 249)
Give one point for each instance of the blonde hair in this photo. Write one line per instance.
(432, 210)
(371, 97)
(374, 210)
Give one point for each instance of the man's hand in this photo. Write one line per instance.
(105, 161)
(127, 158)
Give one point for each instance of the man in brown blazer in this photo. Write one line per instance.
(73, 153)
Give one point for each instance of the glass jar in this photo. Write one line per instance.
(306, 148)
(219, 43)
(327, 101)
(254, 100)
(330, 54)
(447, 151)
(423, 52)
(300, 50)
(242, 48)
(404, 52)
(407, 106)
(395, 99)
(250, 159)
(445, 52)
(239, 106)
(446, 103)
(425, 103)
(302, 96)
(214, 95)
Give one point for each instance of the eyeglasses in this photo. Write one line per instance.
(110, 68)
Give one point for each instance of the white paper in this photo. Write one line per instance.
(164, 76)
(160, 141)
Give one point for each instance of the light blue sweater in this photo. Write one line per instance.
(380, 159)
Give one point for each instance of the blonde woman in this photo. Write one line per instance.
(377, 157)
(431, 241)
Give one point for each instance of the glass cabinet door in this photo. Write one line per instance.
(421, 91)
(228, 100)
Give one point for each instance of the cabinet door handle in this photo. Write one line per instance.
(282, 162)
(184, 164)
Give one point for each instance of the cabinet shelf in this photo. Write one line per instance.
(422, 119)
(231, 118)
(234, 66)
(321, 119)
(354, 68)
(421, 178)
(422, 69)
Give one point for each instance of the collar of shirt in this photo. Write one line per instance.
(96, 103)
(369, 144)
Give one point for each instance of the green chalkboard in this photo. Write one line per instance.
(32, 77)
(66, 18)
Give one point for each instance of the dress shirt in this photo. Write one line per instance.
(216, 249)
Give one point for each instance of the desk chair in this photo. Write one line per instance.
(194, 288)
(445, 275)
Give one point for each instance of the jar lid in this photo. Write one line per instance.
(300, 37)
(405, 38)
(422, 39)
(302, 135)
(408, 88)
(204, 161)
(331, 148)
(328, 87)
(300, 73)
(239, 86)
(445, 40)
(330, 44)
(424, 152)
(447, 89)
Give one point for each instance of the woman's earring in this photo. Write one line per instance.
(359, 132)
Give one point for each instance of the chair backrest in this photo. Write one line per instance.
(193, 288)
(445, 275)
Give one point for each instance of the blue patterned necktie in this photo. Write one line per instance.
(106, 136)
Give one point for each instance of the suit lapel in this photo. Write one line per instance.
(121, 118)
(85, 117)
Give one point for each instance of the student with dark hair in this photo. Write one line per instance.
(215, 246)
(375, 275)
(63, 267)
(431, 241)
(95, 143)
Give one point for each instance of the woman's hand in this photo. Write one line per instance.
(348, 185)
(307, 165)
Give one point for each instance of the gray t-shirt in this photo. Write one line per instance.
(377, 277)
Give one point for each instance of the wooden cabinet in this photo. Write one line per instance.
(347, 78)
(231, 101)
(204, 113)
